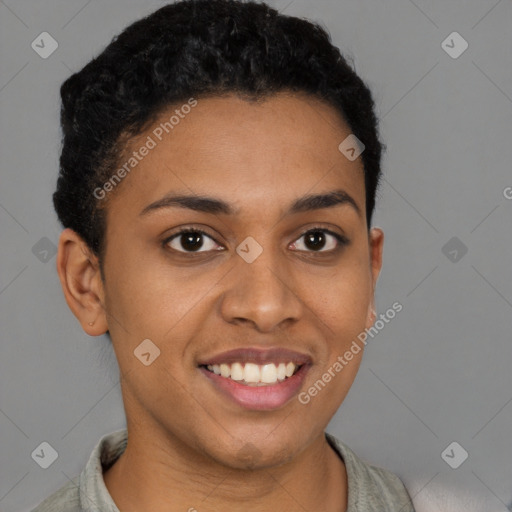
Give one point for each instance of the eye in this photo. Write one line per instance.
(190, 239)
(317, 239)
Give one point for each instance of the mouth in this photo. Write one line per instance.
(252, 374)
(257, 379)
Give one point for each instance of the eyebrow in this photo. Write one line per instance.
(214, 206)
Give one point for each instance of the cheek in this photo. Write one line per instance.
(163, 304)
(342, 301)
(342, 306)
(148, 297)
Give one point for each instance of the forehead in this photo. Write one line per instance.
(253, 154)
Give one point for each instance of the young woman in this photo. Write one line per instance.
(217, 182)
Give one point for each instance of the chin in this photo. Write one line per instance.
(256, 454)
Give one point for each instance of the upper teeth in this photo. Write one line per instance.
(254, 373)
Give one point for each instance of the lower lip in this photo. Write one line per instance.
(271, 396)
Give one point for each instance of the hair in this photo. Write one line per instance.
(195, 48)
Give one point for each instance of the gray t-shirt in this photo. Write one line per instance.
(370, 489)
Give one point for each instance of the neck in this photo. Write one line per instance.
(158, 473)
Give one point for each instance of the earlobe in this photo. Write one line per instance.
(371, 315)
(81, 282)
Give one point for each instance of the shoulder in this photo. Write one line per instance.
(87, 492)
(371, 488)
(66, 499)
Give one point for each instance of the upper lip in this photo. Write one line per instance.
(257, 356)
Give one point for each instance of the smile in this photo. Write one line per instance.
(252, 374)
(256, 378)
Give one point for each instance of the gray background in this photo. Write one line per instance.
(439, 372)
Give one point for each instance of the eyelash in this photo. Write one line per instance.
(342, 240)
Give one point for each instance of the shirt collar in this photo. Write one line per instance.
(94, 495)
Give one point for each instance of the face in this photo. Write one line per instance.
(259, 300)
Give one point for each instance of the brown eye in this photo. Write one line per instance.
(317, 239)
(190, 240)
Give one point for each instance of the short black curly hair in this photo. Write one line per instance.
(195, 48)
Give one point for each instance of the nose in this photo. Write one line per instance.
(261, 293)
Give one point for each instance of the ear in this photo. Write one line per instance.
(376, 245)
(81, 282)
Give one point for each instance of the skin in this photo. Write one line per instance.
(189, 446)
